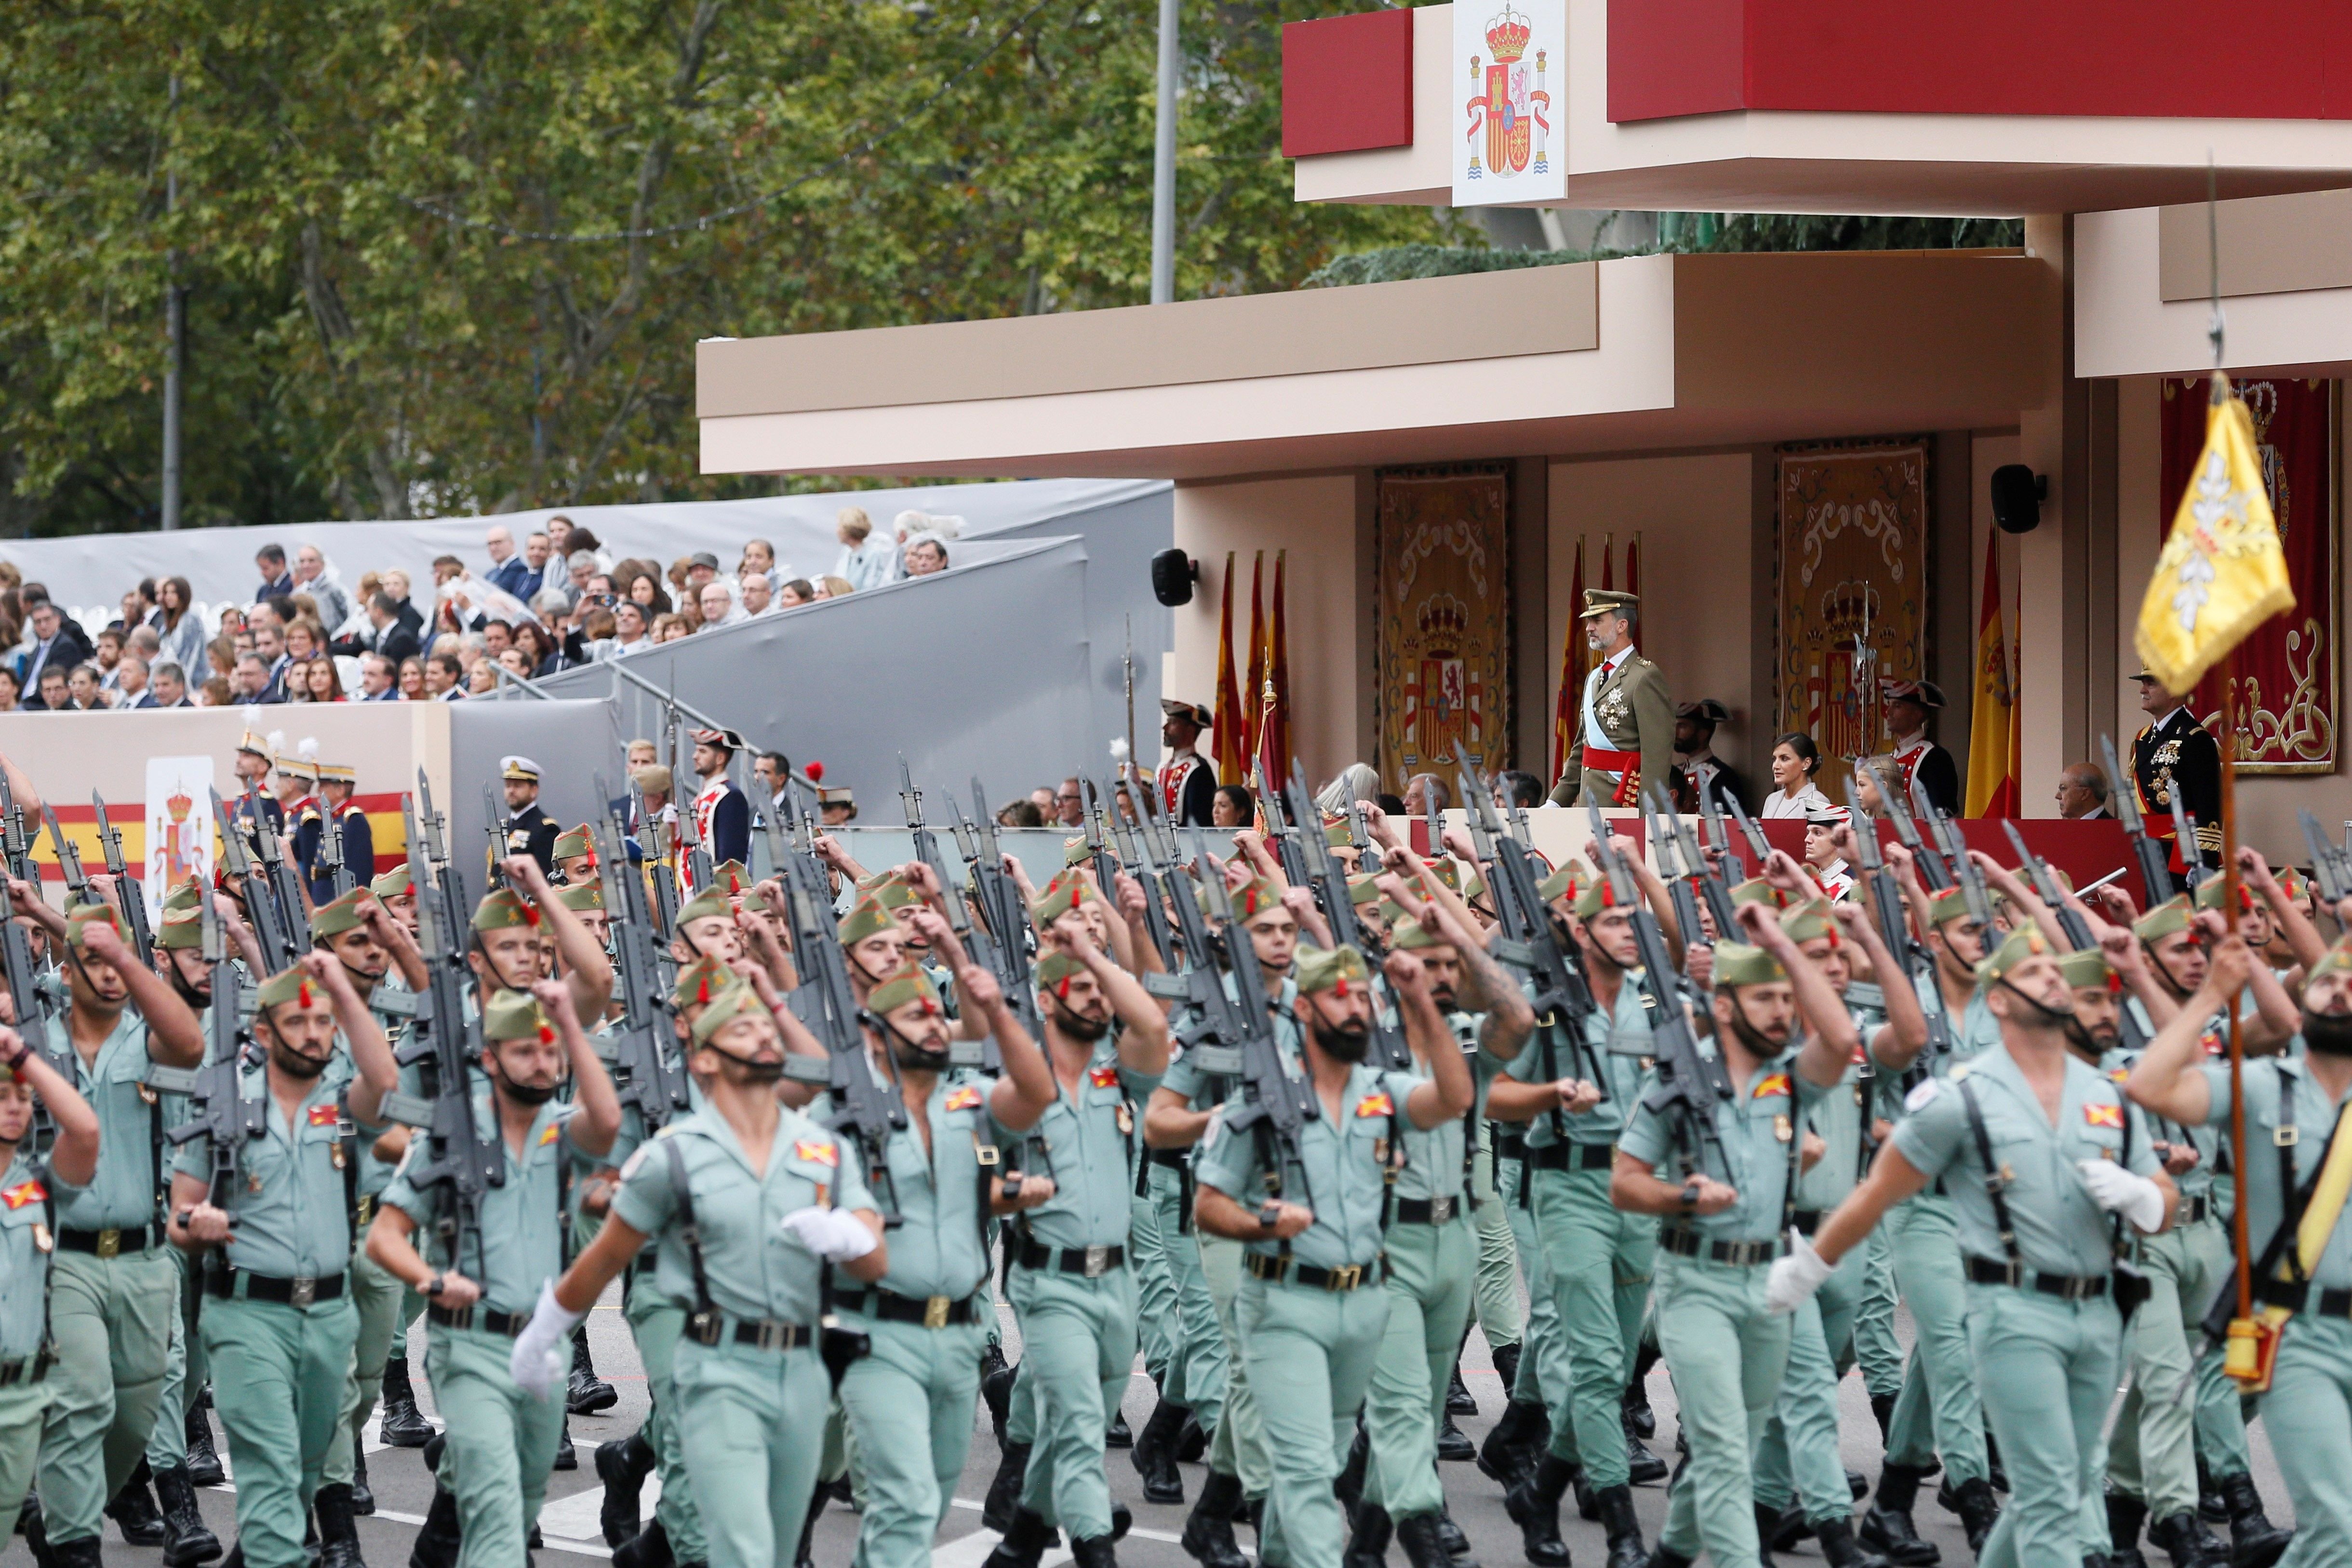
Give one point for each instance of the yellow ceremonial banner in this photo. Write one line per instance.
(2222, 572)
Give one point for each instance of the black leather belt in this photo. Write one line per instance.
(766, 1333)
(1687, 1243)
(931, 1311)
(2192, 1210)
(1807, 1220)
(1430, 1210)
(2065, 1286)
(1573, 1156)
(31, 1369)
(108, 1243)
(1511, 1146)
(1345, 1279)
(1090, 1262)
(1174, 1159)
(295, 1292)
(2304, 1298)
(482, 1319)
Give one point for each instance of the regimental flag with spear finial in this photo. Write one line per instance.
(2222, 572)
(1568, 707)
(1229, 739)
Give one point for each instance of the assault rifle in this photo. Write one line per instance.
(2184, 842)
(985, 1054)
(1002, 912)
(285, 885)
(1283, 829)
(1155, 918)
(2331, 867)
(260, 902)
(330, 856)
(663, 881)
(1671, 870)
(1562, 1000)
(1885, 897)
(1213, 1033)
(436, 847)
(1689, 1084)
(1327, 880)
(646, 1070)
(1757, 844)
(69, 861)
(693, 855)
(1956, 852)
(495, 837)
(219, 1110)
(13, 843)
(131, 895)
(32, 1011)
(1932, 872)
(1705, 880)
(1098, 847)
(2071, 923)
(2155, 872)
(1729, 868)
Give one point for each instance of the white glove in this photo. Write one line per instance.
(542, 1352)
(1794, 1277)
(835, 1235)
(2118, 1191)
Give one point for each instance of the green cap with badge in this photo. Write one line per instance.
(181, 928)
(286, 986)
(2025, 942)
(2086, 969)
(865, 918)
(334, 919)
(1329, 968)
(504, 910)
(81, 916)
(903, 984)
(733, 1003)
(702, 906)
(516, 1015)
(581, 897)
(1738, 964)
(1809, 922)
(393, 883)
(2161, 922)
(1409, 933)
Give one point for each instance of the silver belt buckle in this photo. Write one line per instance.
(1440, 1210)
(305, 1291)
(1098, 1261)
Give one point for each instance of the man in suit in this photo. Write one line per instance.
(2175, 754)
(386, 633)
(167, 686)
(1188, 781)
(379, 678)
(2083, 793)
(56, 641)
(529, 831)
(269, 647)
(277, 582)
(1625, 736)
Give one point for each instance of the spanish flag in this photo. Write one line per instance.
(1992, 713)
(2222, 572)
(1229, 743)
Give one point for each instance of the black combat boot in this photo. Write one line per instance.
(186, 1542)
(649, 1547)
(1424, 1547)
(1666, 1556)
(1646, 1468)
(2182, 1538)
(1116, 1435)
(1459, 1400)
(2125, 1516)
(587, 1393)
(996, 1386)
(1005, 1493)
(1641, 1420)
(1508, 1454)
(1995, 1477)
(2254, 1541)
(804, 1554)
(2210, 1501)
(438, 1540)
(1347, 1486)
(1615, 1506)
(1841, 1550)
(1025, 1543)
(623, 1466)
(203, 1459)
(79, 1553)
(1095, 1551)
(567, 1458)
(1881, 1406)
(1450, 1537)
(1368, 1542)
(1788, 1525)
(1887, 1526)
(1154, 1455)
(1507, 1366)
(1534, 1507)
(1979, 1510)
(134, 1510)
(1208, 1537)
(338, 1533)
(1767, 1521)
(1454, 1444)
(363, 1496)
(1192, 1440)
(402, 1424)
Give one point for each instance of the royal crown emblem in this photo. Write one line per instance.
(1509, 101)
(1507, 35)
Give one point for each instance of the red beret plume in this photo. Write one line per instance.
(816, 771)
(702, 989)
(303, 996)
(546, 1035)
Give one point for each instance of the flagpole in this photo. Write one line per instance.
(2229, 894)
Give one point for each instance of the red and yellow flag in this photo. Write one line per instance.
(1567, 708)
(1274, 722)
(1992, 711)
(1254, 684)
(1229, 745)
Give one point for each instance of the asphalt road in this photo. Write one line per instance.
(569, 1521)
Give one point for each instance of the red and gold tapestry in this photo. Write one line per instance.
(1443, 639)
(2287, 675)
(1853, 594)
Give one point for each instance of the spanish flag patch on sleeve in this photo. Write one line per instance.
(1770, 1084)
(23, 1193)
(1376, 1104)
(2097, 1115)
(815, 1154)
(554, 1130)
(1103, 1077)
(964, 1099)
(323, 1115)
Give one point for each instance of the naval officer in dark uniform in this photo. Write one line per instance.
(2173, 754)
(529, 831)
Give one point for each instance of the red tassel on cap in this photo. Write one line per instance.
(546, 1035)
(1339, 988)
(702, 989)
(816, 771)
(304, 998)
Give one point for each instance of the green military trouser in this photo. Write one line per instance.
(1726, 1354)
(2153, 1452)
(378, 1296)
(2048, 1371)
(1799, 1449)
(1239, 1449)
(501, 1441)
(1496, 1302)
(1156, 1323)
(1078, 1349)
(1310, 1353)
(1875, 1349)
(183, 1376)
(751, 1425)
(1939, 1411)
(23, 1409)
(910, 1408)
(1428, 1287)
(1600, 1259)
(1543, 1354)
(1195, 1378)
(2308, 1416)
(656, 1322)
(111, 1319)
(279, 1374)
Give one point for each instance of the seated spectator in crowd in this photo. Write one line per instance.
(644, 590)
(717, 604)
(831, 587)
(578, 567)
(800, 591)
(559, 536)
(276, 581)
(108, 656)
(220, 658)
(926, 555)
(167, 686)
(250, 680)
(757, 597)
(445, 677)
(1020, 814)
(145, 644)
(232, 619)
(83, 691)
(214, 693)
(9, 691)
(138, 605)
(630, 634)
(177, 623)
(534, 645)
(312, 575)
(482, 679)
(387, 633)
(670, 627)
(865, 560)
(56, 641)
(130, 681)
(379, 678)
(304, 641)
(396, 583)
(50, 696)
(1047, 807)
(509, 571)
(701, 568)
(412, 679)
(269, 647)
(759, 560)
(323, 680)
(1232, 807)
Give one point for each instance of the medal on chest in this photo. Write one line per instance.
(42, 1240)
(1126, 1115)
(1783, 1129)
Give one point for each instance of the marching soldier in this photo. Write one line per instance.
(280, 1325)
(1625, 729)
(1923, 763)
(754, 1207)
(1312, 1311)
(529, 831)
(2175, 756)
(500, 1443)
(2034, 1230)
(115, 1290)
(575, 857)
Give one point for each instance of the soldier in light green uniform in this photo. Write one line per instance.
(501, 1441)
(1797, 1462)
(31, 1187)
(115, 1290)
(2295, 1215)
(2040, 1150)
(1312, 1314)
(1726, 1201)
(910, 1399)
(753, 1205)
(1069, 1284)
(1431, 1248)
(279, 1323)
(402, 1427)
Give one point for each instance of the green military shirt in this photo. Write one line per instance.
(2279, 1090)
(1756, 1131)
(1083, 1141)
(939, 1248)
(756, 1268)
(1975, 1032)
(1436, 1162)
(517, 1245)
(1839, 1115)
(1621, 1042)
(123, 1195)
(26, 1191)
(1341, 1173)
(289, 1205)
(2059, 1228)
(2198, 1179)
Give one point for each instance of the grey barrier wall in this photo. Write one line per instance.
(573, 742)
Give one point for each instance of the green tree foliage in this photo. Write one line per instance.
(454, 254)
